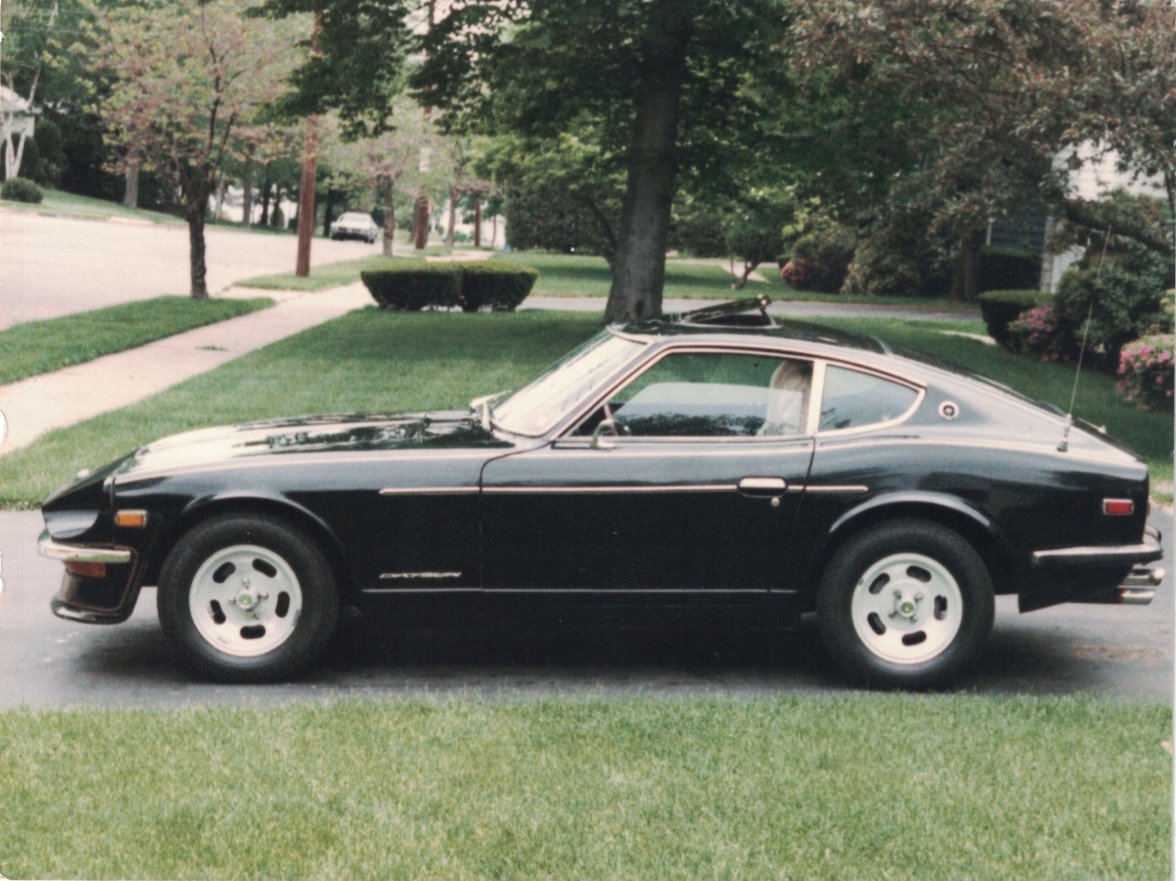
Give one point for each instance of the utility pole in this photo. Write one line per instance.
(306, 182)
(421, 212)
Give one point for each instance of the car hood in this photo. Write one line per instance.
(313, 434)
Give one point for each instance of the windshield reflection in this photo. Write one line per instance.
(534, 409)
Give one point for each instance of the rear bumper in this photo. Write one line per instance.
(1120, 574)
(1147, 551)
(105, 599)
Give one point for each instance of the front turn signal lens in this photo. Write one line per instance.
(86, 570)
(1118, 507)
(131, 519)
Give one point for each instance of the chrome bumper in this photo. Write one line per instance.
(55, 550)
(1147, 551)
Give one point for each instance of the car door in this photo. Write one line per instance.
(683, 478)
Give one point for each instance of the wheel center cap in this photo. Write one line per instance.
(246, 600)
(906, 606)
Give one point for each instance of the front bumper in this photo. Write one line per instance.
(108, 598)
(1122, 575)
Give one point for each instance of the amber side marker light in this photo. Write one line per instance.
(1118, 507)
(86, 570)
(131, 519)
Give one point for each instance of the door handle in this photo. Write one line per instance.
(763, 486)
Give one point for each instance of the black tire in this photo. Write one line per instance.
(905, 604)
(247, 598)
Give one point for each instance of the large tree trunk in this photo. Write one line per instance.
(965, 275)
(198, 268)
(420, 223)
(640, 261)
(131, 180)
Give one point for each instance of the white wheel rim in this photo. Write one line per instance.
(907, 608)
(245, 601)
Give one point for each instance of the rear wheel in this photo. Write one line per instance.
(247, 599)
(905, 604)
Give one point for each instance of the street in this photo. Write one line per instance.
(1122, 652)
(53, 266)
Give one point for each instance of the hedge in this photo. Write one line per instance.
(1001, 308)
(21, 189)
(501, 288)
(415, 285)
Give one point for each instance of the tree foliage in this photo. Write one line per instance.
(185, 79)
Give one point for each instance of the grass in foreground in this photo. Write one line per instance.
(861, 786)
(43, 346)
(372, 361)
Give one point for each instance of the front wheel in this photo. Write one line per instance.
(905, 604)
(247, 599)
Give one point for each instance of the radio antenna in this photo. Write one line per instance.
(1064, 443)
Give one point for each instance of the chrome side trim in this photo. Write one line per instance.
(68, 553)
(430, 491)
(598, 489)
(417, 576)
(831, 488)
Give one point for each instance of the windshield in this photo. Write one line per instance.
(537, 407)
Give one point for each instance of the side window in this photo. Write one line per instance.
(712, 394)
(853, 400)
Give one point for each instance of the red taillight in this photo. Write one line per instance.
(86, 570)
(1118, 507)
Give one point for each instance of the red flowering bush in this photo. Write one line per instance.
(793, 272)
(1035, 333)
(1146, 369)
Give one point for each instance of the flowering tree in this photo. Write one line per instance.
(186, 78)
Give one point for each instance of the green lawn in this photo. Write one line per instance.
(372, 360)
(72, 205)
(851, 787)
(43, 346)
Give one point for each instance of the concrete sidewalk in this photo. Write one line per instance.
(40, 404)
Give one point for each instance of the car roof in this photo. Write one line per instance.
(744, 319)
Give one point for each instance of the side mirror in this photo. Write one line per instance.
(606, 429)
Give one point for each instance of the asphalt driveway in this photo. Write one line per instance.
(1121, 652)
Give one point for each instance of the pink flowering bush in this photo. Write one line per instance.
(1035, 333)
(1146, 370)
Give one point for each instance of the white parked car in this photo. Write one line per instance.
(355, 225)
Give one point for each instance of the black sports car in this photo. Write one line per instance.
(720, 456)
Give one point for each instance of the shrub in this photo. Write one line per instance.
(896, 255)
(1002, 308)
(824, 252)
(1035, 333)
(1121, 303)
(21, 189)
(501, 288)
(413, 285)
(1003, 269)
(793, 272)
(1146, 369)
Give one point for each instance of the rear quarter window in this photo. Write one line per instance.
(853, 399)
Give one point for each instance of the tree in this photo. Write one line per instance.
(185, 79)
(989, 92)
(666, 84)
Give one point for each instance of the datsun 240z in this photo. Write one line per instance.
(719, 456)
